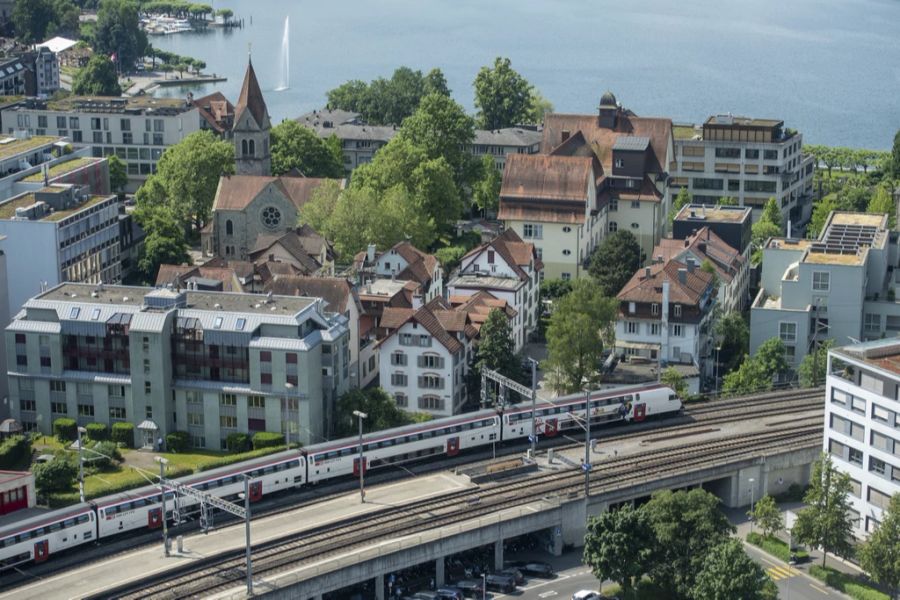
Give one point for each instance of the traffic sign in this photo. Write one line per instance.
(585, 466)
(532, 438)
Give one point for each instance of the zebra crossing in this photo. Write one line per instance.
(778, 573)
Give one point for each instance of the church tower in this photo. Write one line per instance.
(251, 129)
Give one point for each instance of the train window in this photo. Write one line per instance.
(268, 470)
(387, 443)
(55, 527)
(9, 541)
(68, 522)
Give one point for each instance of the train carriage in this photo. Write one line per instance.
(38, 538)
(447, 437)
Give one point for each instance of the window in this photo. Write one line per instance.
(147, 387)
(855, 488)
(401, 400)
(59, 408)
(425, 340)
(533, 231)
(21, 360)
(117, 412)
(787, 331)
(613, 227)
(565, 276)
(85, 410)
(229, 227)
(431, 403)
(567, 229)
(127, 138)
(58, 386)
(614, 205)
(654, 308)
(217, 324)
(228, 421)
(265, 356)
(770, 154)
(855, 457)
(767, 187)
(398, 359)
(398, 379)
(241, 323)
(290, 358)
(20, 338)
(256, 402)
(749, 153)
(635, 225)
(431, 382)
(291, 379)
(728, 152)
(872, 323)
(45, 361)
(632, 327)
(878, 499)
(490, 257)
(635, 203)
(95, 314)
(195, 419)
(228, 400)
(567, 252)
(265, 378)
(431, 361)
(678, 330)
(677, 310)
(27, 405)
(654, 328)
(74, 312)
(193, 397)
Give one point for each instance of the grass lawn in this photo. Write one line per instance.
(775, 547)
(853, 586)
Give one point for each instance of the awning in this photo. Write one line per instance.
(148, 425)
(637, 345)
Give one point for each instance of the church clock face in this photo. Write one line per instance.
(270, 217)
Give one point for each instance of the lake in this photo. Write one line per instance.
(830, 68)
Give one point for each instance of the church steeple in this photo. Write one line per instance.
(251, 128)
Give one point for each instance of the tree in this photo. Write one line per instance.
(98, 78)
(486, 192)
(539, 107)
(496, 348)
(821, 210)
(118, 33)
(36, 20)
(388, 101)
(442, 129)
(772, 214)
(893, 168)
(727, 573)
(771, 355)
(574, 340)
(118, 177)
(56, 475)
(813, 366)
(758, 372)
(615, 261)
(381, 409)
(297, 147)
(727, 201)
(766, 515)
(226, 14)
(686, 525)
(880, 555)
(675, 380)
(348, 96)
(165, 243)
(553, 289)
(883, 203)
(502, 96)
(681, 200)
(188, 175)
(826, 521)
(436, 83)
(618, 545)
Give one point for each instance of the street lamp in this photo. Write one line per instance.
(362, 464)
(81, 430)
(287, 411)
(162, 492)
(716, 382)
(751, 480)
(533, 409)
(484, 586)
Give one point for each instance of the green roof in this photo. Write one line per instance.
(62, 168)
(683, 132)
(8, 209)
(21, 146)
(62, 214)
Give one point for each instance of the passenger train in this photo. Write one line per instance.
(38, 538)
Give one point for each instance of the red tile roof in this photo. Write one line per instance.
(236, 192)
(706, 245)
(548, 178)
(337, 292)
(512, 250)
(642, 288)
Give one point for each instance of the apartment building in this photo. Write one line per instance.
(552, 202)
(402, 262)
(375, 297)
(13, 74)
(862, 425)
(733, 224)
(750, 160)
(842, 286)
(56, 234)
(508, 269)
(425, 357)
(666, 315)
(209, 363)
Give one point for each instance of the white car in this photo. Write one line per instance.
(587, 595)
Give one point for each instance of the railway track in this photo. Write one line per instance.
(225, 571)
(697, 416)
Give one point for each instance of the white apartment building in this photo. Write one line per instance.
(508, 269)
(666, 315)
(750, 160)
(424, 357)
(208, 363)
(862, 425)
(136, 129)
(56, 234)
(402, 262)
(840, 287)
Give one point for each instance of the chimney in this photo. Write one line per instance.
(647, 272)
(702, 247)
(789, 228)
(690, 265)
(687, 242)
(565, 134)
(682, 276)
(370, 253)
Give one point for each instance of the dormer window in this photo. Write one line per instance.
(620, 163)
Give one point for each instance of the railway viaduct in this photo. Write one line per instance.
(562, 518)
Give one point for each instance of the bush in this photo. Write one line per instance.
(123, 433)
(774, 546)
(110, 455)
(55, 476)
(64, 429)
(14, 451)
(178, 441)
(97, 431)
(449, 257)
(233, 458)
(267, 439)
(850, 585)
(237, 442)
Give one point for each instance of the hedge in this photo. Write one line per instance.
(229, 460)
(774, 546)
(97, 431)
(850, 585)
(64, 429)
(178, 441)
(14, 451)
(267, 439)
(237, 442)
(123, 433)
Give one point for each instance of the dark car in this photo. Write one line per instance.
(501, 583)
(514, 573)
(425, 596)
(534, 567)
(471, 588)
(450, 593)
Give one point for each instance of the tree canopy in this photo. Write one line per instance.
(98, 78)
(165, 243)
(504, 98)
(675, 380)
(36, 20)
(813, 366)
(770, 224)
(619, 545)
(680, 201)
(496, 347)
(727, 573)
(826, 521)
(486, 191)
(381, 409)
(758, 372)
(118, 176)
(118, 33)
(615, 261)
(388, 101)
(297, 147)
(766, 515)
(880, 555)
(893, 164)
(883, 203)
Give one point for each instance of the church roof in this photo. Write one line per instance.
(251, 99)
(236, 192)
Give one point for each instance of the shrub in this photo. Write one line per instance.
(178, 441)
(14, 451)
(237, 442)
(110, 455)
(64, 429)
(97, 431)
(233, 458)
(55, 476)
(774, 546)
(450, 256)
(123, 433)
(850, 585)
(267, 439)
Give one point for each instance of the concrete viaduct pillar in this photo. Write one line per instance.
(439, 572)
(498, 554)
(379, 587)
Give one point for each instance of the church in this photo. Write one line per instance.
(252, 203)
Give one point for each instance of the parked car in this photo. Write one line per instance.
(591, 595)
(471, 588)
(426, 596)
(450, 593)
(536, 568)
(501, 583)
(514, 573)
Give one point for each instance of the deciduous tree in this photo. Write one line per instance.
(502, 96)
(733, 334)
(381, 409)
(165, 242)
(496, 347)
(297, 147)
(36, 20)
(880, 555)
(767, 516)
(680, 201)
(436, 83)
(118, 33)
(98, 78)
(615, 261)
(826, 521)
(821, 210)
(56, 475)
(486, 191)
(758, 372)
(894, 162)
(619, 545)
(118, 177)
(883, 203)
(813, 366)
(727, 573)
(675, 380)
(540, 107)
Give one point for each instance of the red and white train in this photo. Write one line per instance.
(38, 538)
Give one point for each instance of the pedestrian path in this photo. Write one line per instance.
(780, 572)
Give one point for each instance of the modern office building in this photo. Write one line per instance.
(750, 160)
(862, 425)
(208, 363)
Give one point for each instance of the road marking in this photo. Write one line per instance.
(819, 589)
(780, 572)
(547, 594)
